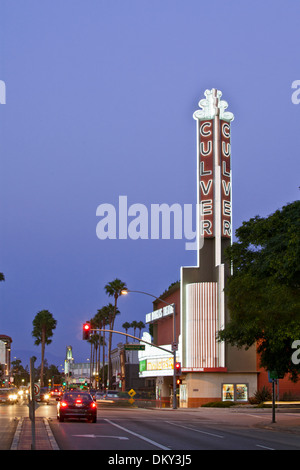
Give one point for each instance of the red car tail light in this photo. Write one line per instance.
(63, 404)
(93, 405)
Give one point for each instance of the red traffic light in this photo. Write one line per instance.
(177, 368)
(86, 330)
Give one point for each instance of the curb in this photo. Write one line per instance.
(15, 442)
(16, 439)
(50, 435)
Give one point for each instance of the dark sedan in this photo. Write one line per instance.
(76, 405)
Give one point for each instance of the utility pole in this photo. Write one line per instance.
(32, 403)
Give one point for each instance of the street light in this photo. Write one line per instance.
(174, 344)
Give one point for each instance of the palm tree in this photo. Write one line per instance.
(126, 327)
(134, 325)
(140, 326)
(100, 320)
(113, 289)
(43, 326)
(110, 311)
(2, 277)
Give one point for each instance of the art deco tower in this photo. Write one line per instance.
(203, 306)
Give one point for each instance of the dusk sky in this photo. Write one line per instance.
(100, 97)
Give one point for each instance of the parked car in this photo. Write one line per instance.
(76, 405)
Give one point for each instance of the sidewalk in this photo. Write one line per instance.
(44, 439)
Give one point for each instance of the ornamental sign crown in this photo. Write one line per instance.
(213, 106)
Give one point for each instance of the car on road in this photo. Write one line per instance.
(8, 395)
(76, 405)
(111, 396)
(98, 397)
(44, 395)
(56, 392)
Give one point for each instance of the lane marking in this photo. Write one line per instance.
(195, 430)
(160, 446)
(264, 447)
(93, 436)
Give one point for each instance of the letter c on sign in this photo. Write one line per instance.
(202, 130)
(226, 130)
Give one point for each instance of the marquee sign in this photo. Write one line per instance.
(214, 176)
(206, 178)
(225, 180)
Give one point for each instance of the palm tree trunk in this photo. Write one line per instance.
(43, 355)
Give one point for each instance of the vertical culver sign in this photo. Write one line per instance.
(206, 177)
(225, 180)
(214, 166)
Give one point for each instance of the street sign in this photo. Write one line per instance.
(275, 375)
(134, 347)
(131, 393)
(36, 390)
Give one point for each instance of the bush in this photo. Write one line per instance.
(261, 396)
(219, 404)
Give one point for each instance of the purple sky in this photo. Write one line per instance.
(100, 98)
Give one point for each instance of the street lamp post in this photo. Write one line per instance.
(174, 344)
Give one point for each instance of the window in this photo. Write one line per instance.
(235, 392)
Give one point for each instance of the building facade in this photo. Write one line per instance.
(5, 357)
(210, 370)
(125, 368)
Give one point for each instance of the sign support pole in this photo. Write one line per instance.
(32, 403)
(273, 401)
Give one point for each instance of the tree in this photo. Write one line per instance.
(140, 326)
(263, 291)
(101, 320)
(43, 326)
(134, 325)
(21, 375)
(2, 277)
(126, 327)
(110, 311)
(113, 289)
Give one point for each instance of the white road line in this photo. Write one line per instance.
(138, 435)
(264, 447)
(195, 430)
(93, 436)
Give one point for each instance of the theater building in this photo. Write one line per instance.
(210, 370)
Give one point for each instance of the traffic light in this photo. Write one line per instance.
(86, 331)
(177, 368)
(178, 382)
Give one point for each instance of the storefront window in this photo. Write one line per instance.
(234, 392)
(241, 392)
(228, 392)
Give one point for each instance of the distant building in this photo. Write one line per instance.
(125, 368)
(80, 373)
(5, 357)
